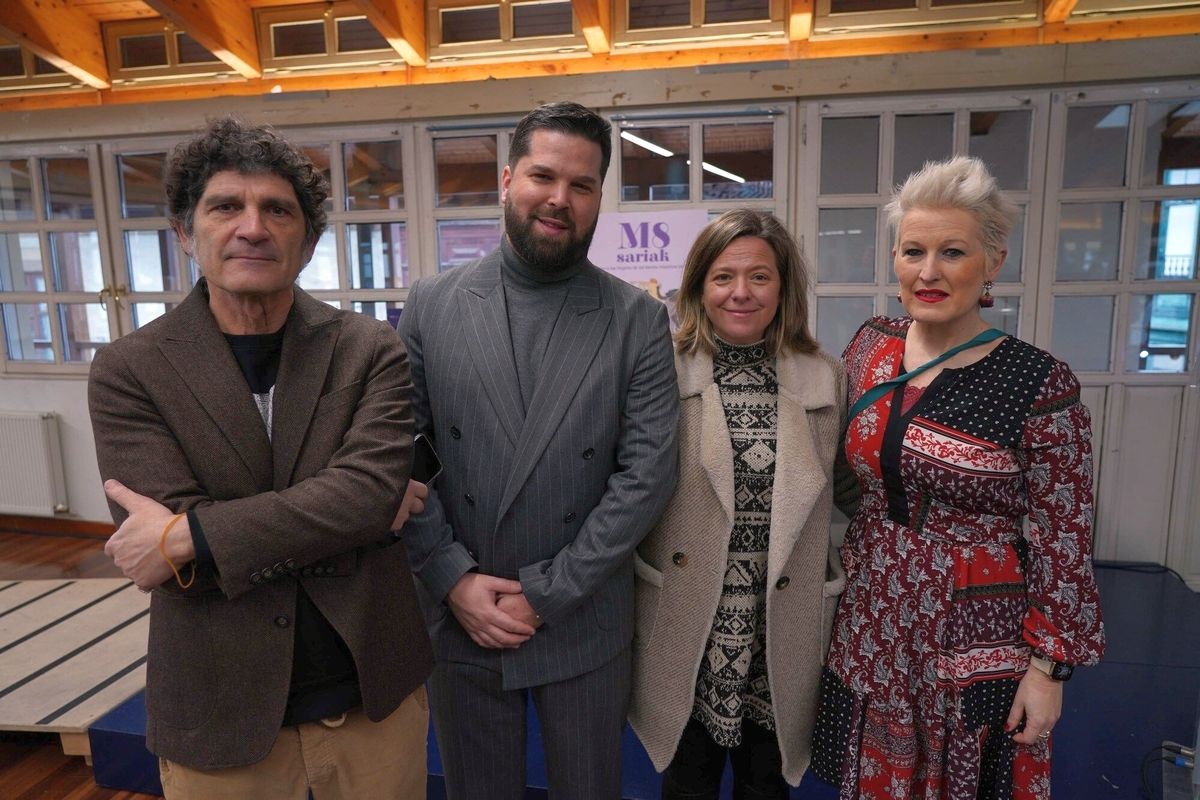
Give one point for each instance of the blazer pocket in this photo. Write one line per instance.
(181, 673)
(647, 592)
(338, 398)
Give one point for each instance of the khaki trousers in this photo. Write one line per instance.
(338, 759)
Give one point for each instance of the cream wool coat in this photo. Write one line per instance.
(680, 566)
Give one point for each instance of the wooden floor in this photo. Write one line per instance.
(33, 767)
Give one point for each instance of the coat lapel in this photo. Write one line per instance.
(200, 355)
(311, 332)
(576, 338)
(716, 456)
(485, 319)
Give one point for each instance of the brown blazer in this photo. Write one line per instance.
(174, 419)
(681, 564)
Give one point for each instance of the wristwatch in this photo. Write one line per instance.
(1055, 670)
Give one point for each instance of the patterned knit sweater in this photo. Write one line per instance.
(732, 681)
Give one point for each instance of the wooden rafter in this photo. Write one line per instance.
(595, 19)
(800, 20)
(402, 23)
(1057, 10)
(224, 27)
(59, 33)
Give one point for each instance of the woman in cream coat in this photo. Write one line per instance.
(737, 583)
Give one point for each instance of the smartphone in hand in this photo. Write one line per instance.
(426, 464)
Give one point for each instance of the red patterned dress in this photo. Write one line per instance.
(945, 595)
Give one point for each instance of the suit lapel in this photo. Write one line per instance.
(483, 314)
(576, 337)
(308, 342)
(200, 355)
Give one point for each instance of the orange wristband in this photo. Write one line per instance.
(162, 549)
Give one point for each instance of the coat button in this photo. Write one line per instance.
(469, 499)
(282, 622)
(679, 559)
(783, 582)
(255, 577)
(455, 433)
(588, 454)
(570, 517)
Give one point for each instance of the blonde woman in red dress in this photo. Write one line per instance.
(957, 627)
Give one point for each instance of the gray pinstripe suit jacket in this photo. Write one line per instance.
(559, 496)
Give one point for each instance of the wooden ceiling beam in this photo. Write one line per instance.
(402, 23)
(595, 20)
(800, 20)
(224, 27)
(60, 33)
(1057, 10)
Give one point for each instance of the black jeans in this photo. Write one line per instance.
(695, 771)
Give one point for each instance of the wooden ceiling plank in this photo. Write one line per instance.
(595, 20)
(402, 23)
(800, 20)
(224, 27)
(1057, 10)
(66, 37)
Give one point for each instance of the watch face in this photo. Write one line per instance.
(1061, 672)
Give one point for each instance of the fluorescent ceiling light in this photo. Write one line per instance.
(651, 146)
(722, 173)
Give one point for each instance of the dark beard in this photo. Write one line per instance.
(544, 255)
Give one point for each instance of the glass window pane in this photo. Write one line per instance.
(1011, 270)
(374, 175)
(84, 330)
(739, 161)
(1001, 139)
(298, 39)
(145, 313)
(68, 188)
(541, 19)
(659, 14)
(21, 263)
(846, 245)
(894, 307)
(75, 259)
(318, 154)
(321, 272)
(11, 63)
(921, 138)
(377, 253)
(27, 331)
(466, 171)
(142, 189)
(1168, 240)
(153, 263)
(718, 11)
(149, 50)
(849, 155)
(481, 24)
(1005, 314)
(654, 164)
(16, 190)
(1089, 241)
(1172, 144)
(839, 317)
(850, 6)
(1082, 331)
(461, 241)
(1159, 326)
(191, 51)
(1094, 152)
(357, 35)
(383, 310)
(43, 67)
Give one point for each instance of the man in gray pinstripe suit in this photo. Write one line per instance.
(549, 388)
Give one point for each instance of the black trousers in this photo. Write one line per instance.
(695, 771)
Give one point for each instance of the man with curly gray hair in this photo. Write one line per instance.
(255, 444)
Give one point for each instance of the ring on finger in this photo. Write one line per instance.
(1044, 735)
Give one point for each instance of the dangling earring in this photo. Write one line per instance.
(899, 298)
(987, 301)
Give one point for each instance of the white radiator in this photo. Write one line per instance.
(32, 482)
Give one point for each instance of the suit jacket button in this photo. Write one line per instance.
(783, 582)
(455, 433)
(255, 577)
(328, 569)
(587, 454)
(290, 564)
(282, 622)
(469, 499)
(679, 559)
(305, 572)
(268, 574)
(570, 517)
